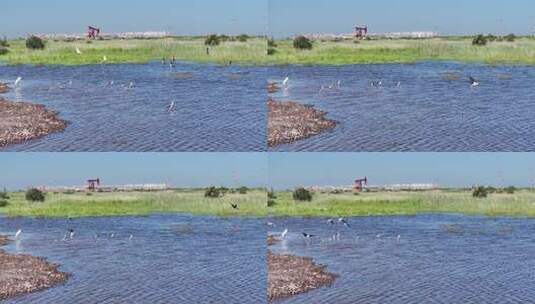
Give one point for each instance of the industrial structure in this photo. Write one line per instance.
(93, 184)
(361, 184)
(93, 32)
(361, 32)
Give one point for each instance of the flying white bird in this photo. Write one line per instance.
(285, 81)
(284, 233)
(78, 51)
(18, 80)
(18, 234)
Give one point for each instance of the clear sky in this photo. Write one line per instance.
(290, 17)
(289, 170)
(22, 170)
(181, 17)
(278, 170)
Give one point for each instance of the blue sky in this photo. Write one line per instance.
(285, 17)
(289, 170)
(21, 170)
(279, 170)
(181, 17)
(288, 17)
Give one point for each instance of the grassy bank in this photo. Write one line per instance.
(521, 51)
(521, 204)
(136, 203)
(136, 51)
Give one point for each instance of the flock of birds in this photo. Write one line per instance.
(330, 222)
(70, 234)
(376, 84)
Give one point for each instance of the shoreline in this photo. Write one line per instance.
(290, 121)
(23, 274)
(290, 275)
(23, 121)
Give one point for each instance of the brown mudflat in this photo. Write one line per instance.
(290, 275)
(22, 274)
(291, 121)
(3, 88)
(22, 121)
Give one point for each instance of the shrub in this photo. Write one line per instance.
(491, 38)
(35, 195)
(271, 194)
(4, 195)
(212, 192)
(479, 40)
(510, 190)
(271, 51)
(272, 43)
(212, 40)
(480, 192)
(302, 43)
(4, 43)
(35, 43)
(271, 203)
(242, 38)
(243, 190)
(3, 203)
(510, 38)
(3, 50)
(302, 194)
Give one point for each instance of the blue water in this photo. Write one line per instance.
(438, 259)
(433, 108)
(170, 259)
(217, 108)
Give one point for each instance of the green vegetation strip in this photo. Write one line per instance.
(519, 204)
(253, 51)
(252, 204)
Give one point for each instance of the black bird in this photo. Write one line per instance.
(330, 221)
(343, 221)
(308, 235)
(234, 206)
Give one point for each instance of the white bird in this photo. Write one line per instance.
(399, 238)
(18, 234)
(78, 51)
(270, 224)
(18, 80)
(131, 237)
(285, 81)
(131, 84)
(284, 233)
(171, 107)
(473, 82)
(71, 234)
(104, 58)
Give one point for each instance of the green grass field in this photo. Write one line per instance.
(136, 51)
(136, 203)
(253, 52)
(522, 51)
(520, 204)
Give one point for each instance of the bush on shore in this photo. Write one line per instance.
(302, 43)
(302, 194)
(480, 40)
(35, 43)
(35, 195)
(480, 192)
(212, 40)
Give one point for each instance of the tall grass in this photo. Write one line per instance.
(136, 51)
(522, 51)
(521, 203)
(137, 203)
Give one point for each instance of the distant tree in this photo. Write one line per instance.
(242, 38)
(4, 43)
(510, 38)
(479, 192)
(35, 195)
(4, 195)
(480, 40)
(212, 192)
(271, 203)
(302, 43)
(212, 40)
(271, 43)
(35, 43)
(243, 190)
(271, 194)
(302, 194)
(510, 190)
